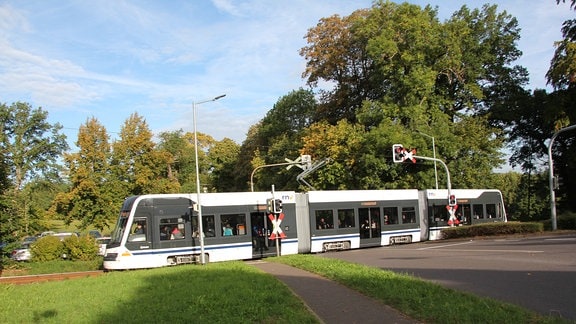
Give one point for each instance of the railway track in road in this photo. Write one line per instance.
(21, 280)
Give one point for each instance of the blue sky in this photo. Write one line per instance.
(108, 59)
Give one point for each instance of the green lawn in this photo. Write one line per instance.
(230, 292)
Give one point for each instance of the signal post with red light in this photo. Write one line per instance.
(452, 207)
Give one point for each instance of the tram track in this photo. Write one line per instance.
(28, 279)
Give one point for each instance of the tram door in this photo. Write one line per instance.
(370, 222)
(262, 246)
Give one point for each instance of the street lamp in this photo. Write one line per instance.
(200, 229)
(434, 154)
(551, 176)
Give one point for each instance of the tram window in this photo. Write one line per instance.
(233, 224)
(466, 212)
(491, 211)
(390, 215)
(438, 213)
(138, 231)
(346, 218)
(408, 215)
(172, 229)
(208, 225)
(375, 221)
(478, 211)
(324, 219)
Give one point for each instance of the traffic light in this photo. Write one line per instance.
(274, 206)
(452, 200)
(270, 205)
(306, 161)
(277, 206)
(398, 153)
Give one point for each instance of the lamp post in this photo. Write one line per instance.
(434, 155)
(200, 229)
(551, 176)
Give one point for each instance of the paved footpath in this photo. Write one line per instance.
(331, 301)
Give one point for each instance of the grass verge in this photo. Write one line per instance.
(419, 299)
(228, 292)
(13, 268)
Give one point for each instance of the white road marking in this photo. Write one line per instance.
(443, 246)
(506, 251)
(476, 250)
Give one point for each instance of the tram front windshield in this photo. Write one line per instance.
(118, 231)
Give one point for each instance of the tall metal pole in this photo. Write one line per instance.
(434, 155)
(551, 176)
(200, 227)
(448, 183)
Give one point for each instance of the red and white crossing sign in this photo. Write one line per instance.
(276, 230)
(452, 219)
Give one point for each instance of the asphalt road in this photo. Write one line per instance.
(538, 272)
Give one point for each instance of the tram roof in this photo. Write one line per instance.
(459, 193)
(244, 198)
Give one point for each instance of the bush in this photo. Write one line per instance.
(73, 248)
(47, 248)
(489, 229)
(80, 248)
(566, 221)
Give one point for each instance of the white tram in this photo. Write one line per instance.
(162, 229)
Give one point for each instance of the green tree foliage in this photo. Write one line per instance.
(249, 158)
(179, 147)
(530, 120)
(335, 53)
(137, 165)
(217, 160)
(223, 157)
(341, 143)
(30, 147)
(205, 145)
(41, 193)
(276, 137)
(562, 72)
(397, 68)
(91, 199)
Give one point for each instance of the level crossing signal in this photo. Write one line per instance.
(452, 200)
(400, 154)
(274, 205)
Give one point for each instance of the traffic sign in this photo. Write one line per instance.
(296, 162)
(452, 219)
(276, 230)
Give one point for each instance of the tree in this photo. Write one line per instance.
(396, 68)
(342, 144)
(562, 72)
(179, 147)
(531, 118)
(137, 165)
(336, 54)
(276, 137)
(30, 147)
(223, 156)
(91, 198)
(249, 158)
